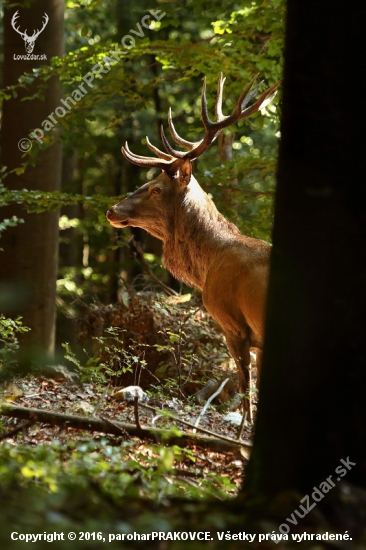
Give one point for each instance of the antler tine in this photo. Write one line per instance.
(38, 32)
(204, 111)
(144, 161)
(247, 95)
(46, 19)
(218, 104)
(13, 22)
(264, 100)
(157, 151)
(15, 17)
(212, 129)
(176, 137)
(173, 152)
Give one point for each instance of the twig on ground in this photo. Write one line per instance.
(136, 411)
(17, 429)
(116, 426)
(101, 400)
(190, 425)
(92, 424)
(209, 401)
(242, 424)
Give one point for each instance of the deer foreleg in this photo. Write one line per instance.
(239, 347)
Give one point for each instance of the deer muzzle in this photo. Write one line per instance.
(114, 219)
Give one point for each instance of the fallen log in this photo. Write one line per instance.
(95, 424)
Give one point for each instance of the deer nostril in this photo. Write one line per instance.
(110, 214)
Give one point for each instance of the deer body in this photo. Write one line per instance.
(202, 248)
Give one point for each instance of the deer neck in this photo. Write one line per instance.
(198, 232)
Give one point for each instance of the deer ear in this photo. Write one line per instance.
(181, 171)
(185, 172)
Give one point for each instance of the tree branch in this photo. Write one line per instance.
(98, 425)
(148, 270)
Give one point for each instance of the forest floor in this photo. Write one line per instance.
(77, 456)
(37, 497)
(56, 395)
(116, 489)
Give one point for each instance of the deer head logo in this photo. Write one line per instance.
(29, 41)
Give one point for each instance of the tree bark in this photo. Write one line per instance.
(29, 259)
(312, 410)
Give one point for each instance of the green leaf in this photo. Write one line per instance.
(84, 30)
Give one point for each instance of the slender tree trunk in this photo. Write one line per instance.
(225, 142)
(70, 249)
(312, 408)
(29, 259)
(229, 199)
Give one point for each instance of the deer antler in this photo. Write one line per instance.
(13, 21)
(37, 33)
(24, 34)
(163, 162)
(212, 129)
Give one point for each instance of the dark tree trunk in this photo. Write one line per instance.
(312, 409)
(29, 259)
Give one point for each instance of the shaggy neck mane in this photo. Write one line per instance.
(197, 233)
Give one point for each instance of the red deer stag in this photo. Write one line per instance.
(201, 247)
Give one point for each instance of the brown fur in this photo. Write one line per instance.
(204, 250)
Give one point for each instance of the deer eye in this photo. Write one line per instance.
(157, 190)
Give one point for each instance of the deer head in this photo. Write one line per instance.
(156, 204)
(29, 41)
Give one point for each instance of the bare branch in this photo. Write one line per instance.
(218, 443)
